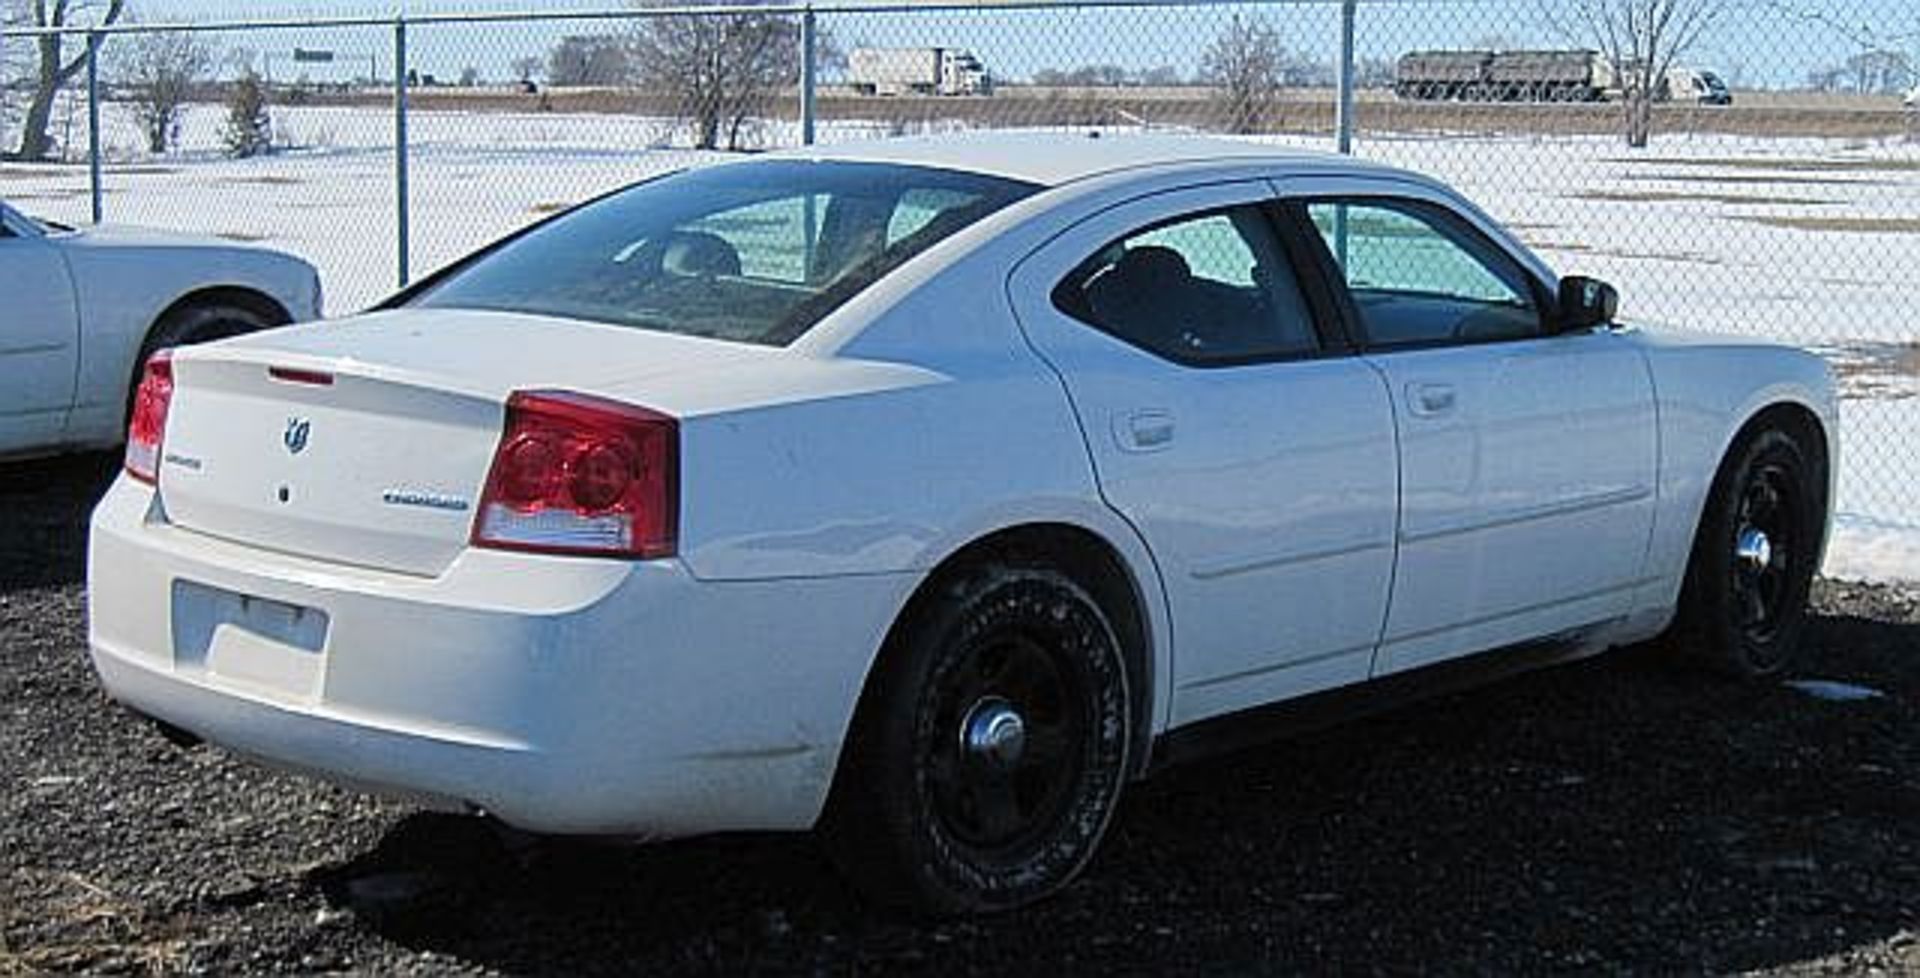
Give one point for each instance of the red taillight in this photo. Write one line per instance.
(292, 375)
(147, 425)
(579, 474)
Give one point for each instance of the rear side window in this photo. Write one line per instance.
(1421, 278)
(754, 252)
(1210, 289)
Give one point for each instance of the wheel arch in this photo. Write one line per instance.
(1120, 578)
(1778, 408)
(1800, 417)
(251, 299)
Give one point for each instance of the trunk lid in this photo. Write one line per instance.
(367, 441)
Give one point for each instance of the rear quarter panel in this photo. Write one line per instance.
(888, 454)
(812, 466)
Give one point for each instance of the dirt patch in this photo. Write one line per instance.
(549, 207)
(47, 194)
(1575, 247)
(1566, 246)
(1786, 164)
(1876, 371)
(245, 237)
(1854, 225)
(37, 172)
(1674, 196)
(1746, 179)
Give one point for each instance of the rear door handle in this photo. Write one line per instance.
(1143, 431)
(1428, 400)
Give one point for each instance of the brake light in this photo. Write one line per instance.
(292, 375)
(147, 425)
(579, 474)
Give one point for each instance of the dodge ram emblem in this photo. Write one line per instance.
(295, 437)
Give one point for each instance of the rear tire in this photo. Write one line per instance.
(990, 749)
(1744, 603)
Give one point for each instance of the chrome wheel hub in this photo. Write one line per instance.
(1753, 549)
(994, 732)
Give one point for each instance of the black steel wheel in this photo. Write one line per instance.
(990, 750)
(1745, 599)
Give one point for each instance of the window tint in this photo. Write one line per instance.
(1214, 288)
(1419, 278)
(762, 235)
(756, 252)
(918, 207)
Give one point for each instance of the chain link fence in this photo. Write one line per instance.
(382, 148)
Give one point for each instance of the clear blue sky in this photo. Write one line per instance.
(1754, 42)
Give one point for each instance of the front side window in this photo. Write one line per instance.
(1208, 289)
(753, 252)
(1420, 278)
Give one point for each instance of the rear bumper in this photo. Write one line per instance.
(559, 694)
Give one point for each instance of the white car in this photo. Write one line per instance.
(84, 308)
(927, 491)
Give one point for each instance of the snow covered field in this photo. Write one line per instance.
(1811, 241)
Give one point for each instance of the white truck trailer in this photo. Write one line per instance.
(916, 71)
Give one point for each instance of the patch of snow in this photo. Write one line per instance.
(1862, 549)
(1834, 692)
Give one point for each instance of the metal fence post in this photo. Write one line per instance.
(93, 124)
(1343, 113)
(400, 143)
(809, 80)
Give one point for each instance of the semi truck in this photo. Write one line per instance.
(1579, 75)
(1569, 75)
(916, 71)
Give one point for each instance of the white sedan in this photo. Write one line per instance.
(928, 491)
(84, 308)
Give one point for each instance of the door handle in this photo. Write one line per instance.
(1143, 431)
(1428, 400)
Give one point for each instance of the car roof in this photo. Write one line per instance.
(1055, 158)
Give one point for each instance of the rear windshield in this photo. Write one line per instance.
(755, 252)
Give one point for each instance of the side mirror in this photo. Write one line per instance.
(1585, 303)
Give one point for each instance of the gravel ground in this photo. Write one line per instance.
(1613, 816)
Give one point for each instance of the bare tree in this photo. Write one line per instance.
(159, 72)
(1246, 65)
(1641, 40)
(52, 67)
(719, 69)
(1376, 72)
(590, 59)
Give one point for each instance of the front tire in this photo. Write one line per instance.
(990, 753)
(201, 322)
(1744, 604)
